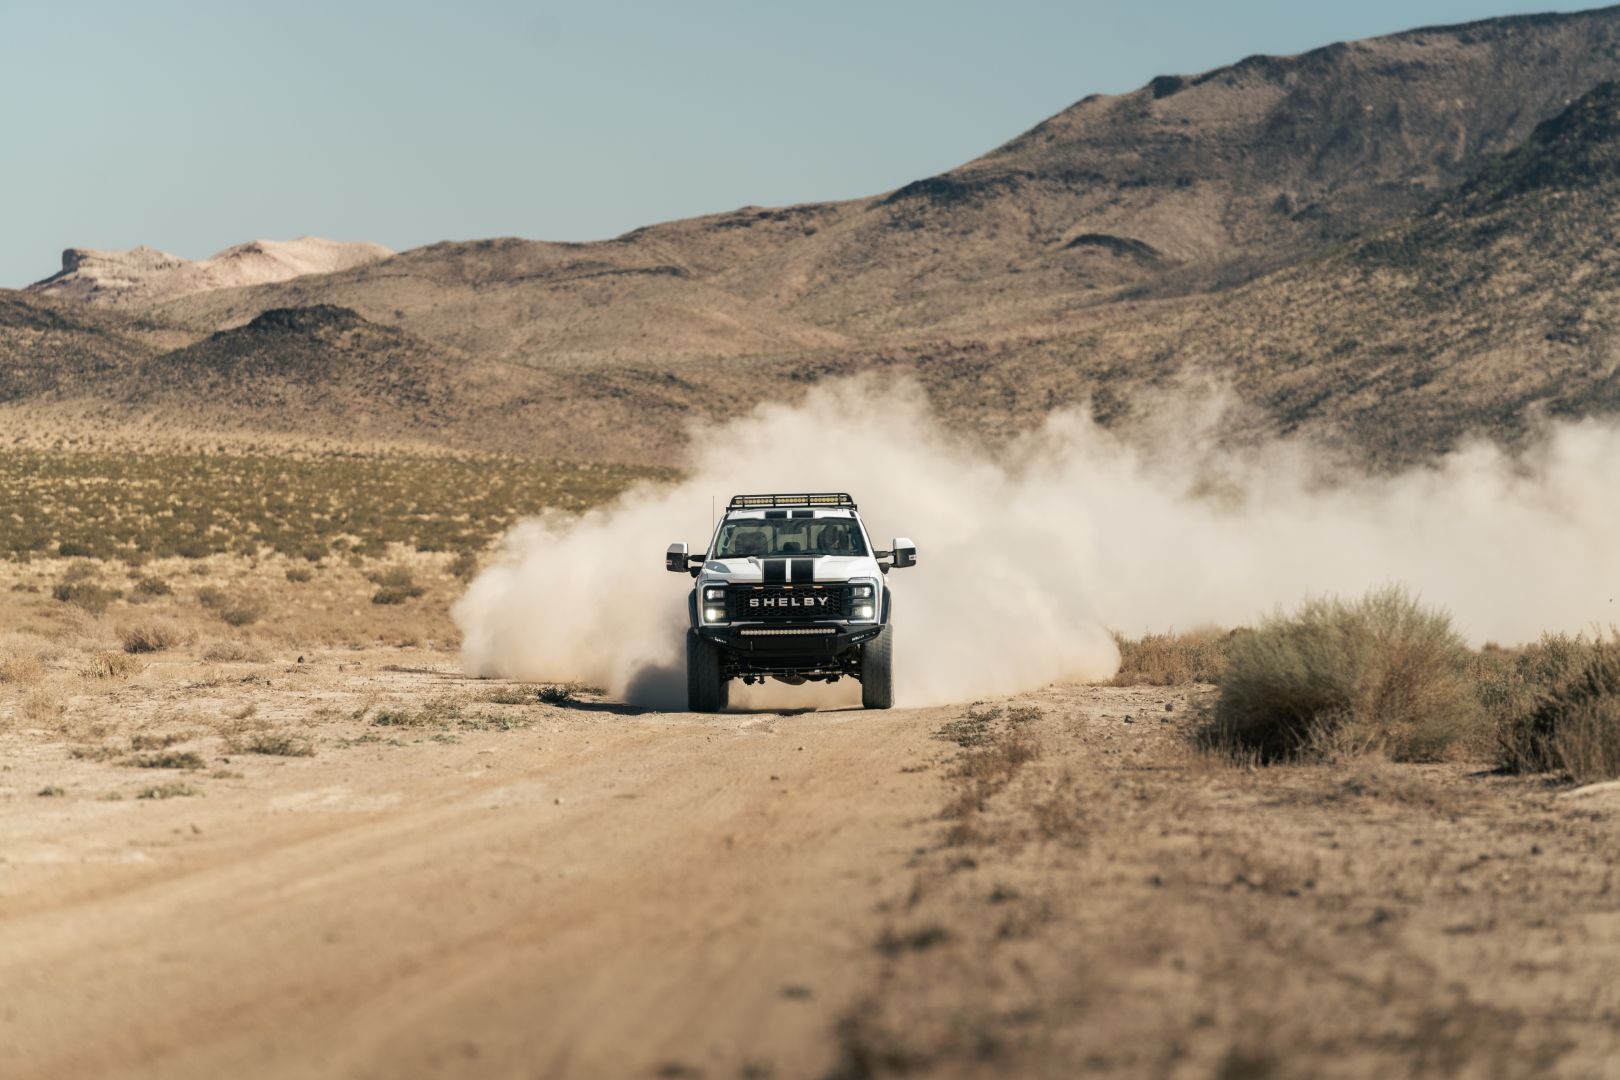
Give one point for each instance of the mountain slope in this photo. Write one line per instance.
(1187, 184)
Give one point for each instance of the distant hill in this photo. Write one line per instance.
(1395, 241)
(145, 276)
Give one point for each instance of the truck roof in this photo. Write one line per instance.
(777, 502)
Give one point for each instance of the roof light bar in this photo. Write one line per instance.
(826, 498)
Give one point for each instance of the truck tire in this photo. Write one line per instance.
(877, 671)
(706, 687)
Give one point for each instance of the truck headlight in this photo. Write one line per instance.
(714, 593)
(863, 601)
(714, 614)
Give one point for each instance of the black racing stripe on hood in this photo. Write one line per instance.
(774, 571)
(804, 571)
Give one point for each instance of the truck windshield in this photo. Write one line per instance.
(796, 536)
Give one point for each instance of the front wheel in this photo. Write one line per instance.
(877, 671)
(706, 687)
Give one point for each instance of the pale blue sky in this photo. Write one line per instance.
(193, 126)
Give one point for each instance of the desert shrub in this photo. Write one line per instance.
(510, 695)
(314, 552)
(1343, 676)
(394, 586)
(1562, 710)
(150, 637)
(168, 759)
(436, 713)
(561, 696)
(298, 575)
(233, 609)
(152, 586)
(243, 612)
(1171, 659)
(464, 566)
(69, 549)
(224, 652)
(110, 665)
(20, 668)
(86, 595)
(274, 743)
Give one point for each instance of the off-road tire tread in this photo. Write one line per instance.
(707, 690)
(877, 671)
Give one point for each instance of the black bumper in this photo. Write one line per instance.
(779, 645)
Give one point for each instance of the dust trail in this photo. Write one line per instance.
(1030, 557)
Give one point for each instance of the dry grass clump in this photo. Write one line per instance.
(231, 652)
(1172, 659)
(464, 567)
(394, 586)
(235, 609)
(1563, 708)
(299, 575)
(111, 665)
(147, 587)
(1342, 676)
(21, 668)
(167, 759)
(150, 637)
(85, 594)
(274, 744)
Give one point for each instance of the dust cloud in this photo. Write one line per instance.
(1031, 557)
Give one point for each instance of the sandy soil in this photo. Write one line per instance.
(1048, 886)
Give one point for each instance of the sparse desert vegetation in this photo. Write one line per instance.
(137, 506)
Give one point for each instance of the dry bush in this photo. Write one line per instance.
(20, 668)
(394, 586)
(243, 612)
(1172, 659)
(1342, 677)
(111, 665)
(273, 743)
(85, 594)
(1568, 717)
(227, 652)
(561, 696)
(150, 637)
(464, 567)
(151, 587)
(168, 759)
(298, 575)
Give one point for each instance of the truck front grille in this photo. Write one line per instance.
(787, 603)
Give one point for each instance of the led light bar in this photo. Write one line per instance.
(791, 631)
(826, 498)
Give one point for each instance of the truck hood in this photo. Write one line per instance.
(825, 568)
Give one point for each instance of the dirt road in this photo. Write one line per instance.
(1029, 887)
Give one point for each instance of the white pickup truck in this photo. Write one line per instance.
(789, 588)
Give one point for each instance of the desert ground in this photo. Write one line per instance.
(307, 845)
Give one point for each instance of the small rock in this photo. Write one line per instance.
(1130, 719)
(1169, 706)
(300, 659)
(557, 801)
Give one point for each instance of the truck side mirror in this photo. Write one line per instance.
(902, 552)
(675, 559)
